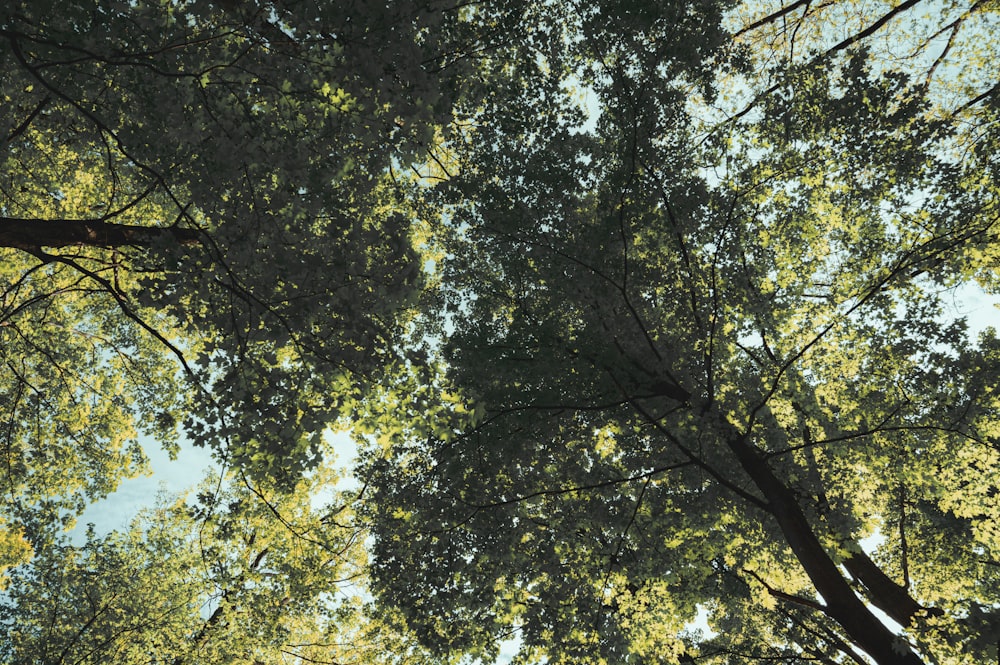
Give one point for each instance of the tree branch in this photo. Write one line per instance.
(788, 597)
(31, 235)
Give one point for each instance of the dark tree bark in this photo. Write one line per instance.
(842, 604)
(884, 593)
(33, 234)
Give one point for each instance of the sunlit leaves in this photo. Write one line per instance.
(236, 573)
(715, 355)
(252, 146)
(685, 348)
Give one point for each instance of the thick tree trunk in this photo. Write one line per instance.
(33, 234)
(883, 592)
(842, 605)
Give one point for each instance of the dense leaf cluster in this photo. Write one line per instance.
(643, 315)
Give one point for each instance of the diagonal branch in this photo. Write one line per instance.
(20, 129)
(787, 597)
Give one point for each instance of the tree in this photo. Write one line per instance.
(200, 225)
(680, 348)
(238, 573)
(711, 343)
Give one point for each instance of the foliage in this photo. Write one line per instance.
(713, 342)
(199, 227)
(642, 312)
(215, 578)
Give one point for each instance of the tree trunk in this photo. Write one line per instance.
(33, 234)
(879, 588)
(883, 592)
(842, 605)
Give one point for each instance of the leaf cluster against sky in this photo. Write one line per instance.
(638, 311)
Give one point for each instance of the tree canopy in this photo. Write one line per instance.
(207, 182)
(643, 315)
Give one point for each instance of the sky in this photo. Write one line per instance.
(171, 476)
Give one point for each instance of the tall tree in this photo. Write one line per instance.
(200, 225)
(693, 334)
(711, 345)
